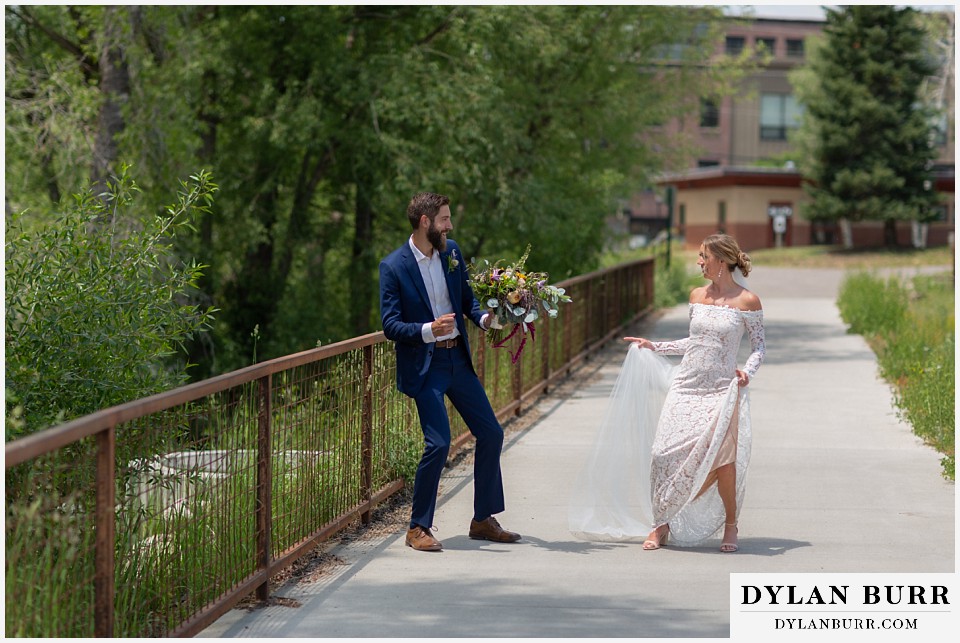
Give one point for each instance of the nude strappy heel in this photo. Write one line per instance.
(728, 547)
(661, 539)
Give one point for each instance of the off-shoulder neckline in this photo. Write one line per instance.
(739, 310)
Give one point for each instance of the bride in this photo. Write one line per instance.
(671, 456)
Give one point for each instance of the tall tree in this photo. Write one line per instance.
(320, 122)
(89, 86)
(865, 134)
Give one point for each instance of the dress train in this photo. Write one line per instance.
(611, 497)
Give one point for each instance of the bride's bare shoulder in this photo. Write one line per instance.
(749, 301)
(698, 295)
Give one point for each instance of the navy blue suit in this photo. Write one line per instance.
(427, 373)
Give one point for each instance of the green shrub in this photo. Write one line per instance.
(911, 329)
(96, 305)
(672, 286)
(870, 306)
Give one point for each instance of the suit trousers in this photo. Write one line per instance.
(451, 375)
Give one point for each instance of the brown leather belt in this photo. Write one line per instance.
(449, 343)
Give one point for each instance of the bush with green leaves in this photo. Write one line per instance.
(673, 283)
(910, 326)
(871, 306)
(98, 304)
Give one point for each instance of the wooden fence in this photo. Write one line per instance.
(157, 516)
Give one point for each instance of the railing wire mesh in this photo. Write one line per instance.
(155, 517)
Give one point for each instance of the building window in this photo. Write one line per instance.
(778, 113)
(769, 45)
(707, 163)
(794, 48)
(709, 113)
(722, 217)
(735, 45)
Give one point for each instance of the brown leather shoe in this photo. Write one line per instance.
(490, 529)
(421, 539)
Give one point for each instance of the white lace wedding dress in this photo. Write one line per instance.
(666, 431)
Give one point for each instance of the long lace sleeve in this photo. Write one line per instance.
(754, 321)
(678, 347)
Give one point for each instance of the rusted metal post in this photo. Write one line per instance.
(517, 385)
(366, 433)
(482, 358)
(610, 301)
(637, 291)
(616, 300)
(649, 283)
(264, 509)
(545, 355)
(105, 526)
(621, 297)
(568, 332)
(588, 320)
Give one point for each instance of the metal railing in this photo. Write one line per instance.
(157, 516)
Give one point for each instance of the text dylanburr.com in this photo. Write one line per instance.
(843, 607)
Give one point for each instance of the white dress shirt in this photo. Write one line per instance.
(431, 269)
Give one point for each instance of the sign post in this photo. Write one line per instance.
(778, 218)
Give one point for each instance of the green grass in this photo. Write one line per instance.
(856, 259)
(806, 257)
(910, 326)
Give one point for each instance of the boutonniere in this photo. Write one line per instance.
(452, 261)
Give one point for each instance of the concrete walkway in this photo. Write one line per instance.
(836, 484)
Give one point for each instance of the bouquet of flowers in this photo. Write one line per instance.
(516, 297)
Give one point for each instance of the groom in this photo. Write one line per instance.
(424, 294)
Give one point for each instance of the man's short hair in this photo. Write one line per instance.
(425, 203)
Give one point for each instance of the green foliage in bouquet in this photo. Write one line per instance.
(515, 295)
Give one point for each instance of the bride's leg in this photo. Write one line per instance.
(726, 454)
(727, 488)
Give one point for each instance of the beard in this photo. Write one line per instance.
(436, 239)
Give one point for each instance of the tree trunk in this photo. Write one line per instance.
(115, 87)
(53, 187)
(201, 348)
(251, 297)
(846, 234)
(918, 234)
(890, 233)
(363, 260)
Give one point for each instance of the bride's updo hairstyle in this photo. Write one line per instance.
(726, 249)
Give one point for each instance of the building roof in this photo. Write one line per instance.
(703, 177)
(792, 13)
(730, 175)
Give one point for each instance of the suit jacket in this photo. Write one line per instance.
(405, 308)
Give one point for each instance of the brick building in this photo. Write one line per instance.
(721, 187)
